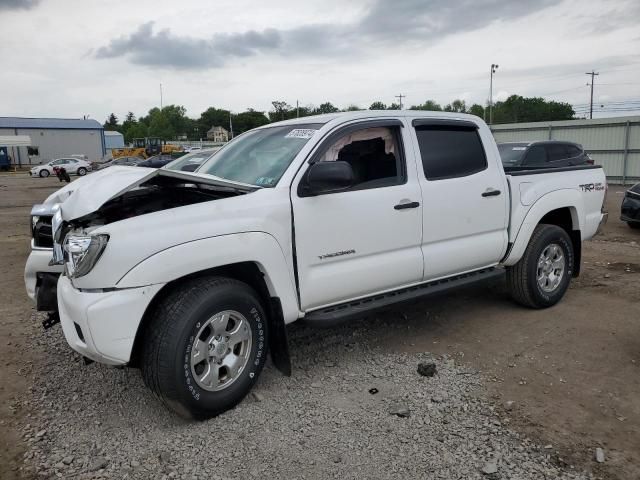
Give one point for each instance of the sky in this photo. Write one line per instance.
(70, 58)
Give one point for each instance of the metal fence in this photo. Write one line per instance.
(613, 143)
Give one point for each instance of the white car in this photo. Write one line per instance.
(193, 276)
(71, 165)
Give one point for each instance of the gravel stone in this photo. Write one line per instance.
(599, 455)
(427, 369)
(115, 428)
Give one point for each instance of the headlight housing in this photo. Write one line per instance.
(82, 252)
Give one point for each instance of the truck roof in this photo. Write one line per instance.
(345, 116)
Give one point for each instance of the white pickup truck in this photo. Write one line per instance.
(193, 276)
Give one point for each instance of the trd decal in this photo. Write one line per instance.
(336, 254)
(591, 187)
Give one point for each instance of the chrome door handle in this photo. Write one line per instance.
(402, 206)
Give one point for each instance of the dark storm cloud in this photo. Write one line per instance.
(383, 23)
(162, 48)
(18, 4)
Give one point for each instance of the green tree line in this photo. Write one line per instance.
(172, 123)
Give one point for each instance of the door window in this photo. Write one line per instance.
(450, 151)
(536, 155)
(374, 155)
(573, 151)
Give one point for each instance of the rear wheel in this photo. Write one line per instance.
(206, 346)
(82, 171)
(542, 276)
(44, 173)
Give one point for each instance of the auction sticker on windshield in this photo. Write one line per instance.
(301, 133)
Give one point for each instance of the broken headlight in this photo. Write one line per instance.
(82, 252)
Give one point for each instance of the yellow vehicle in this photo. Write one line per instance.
(145, 148)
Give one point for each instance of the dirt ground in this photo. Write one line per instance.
(572, 371)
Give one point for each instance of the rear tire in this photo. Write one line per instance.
(542, 276)
(44, 173)
(82, 171)
(634, 225)
(195, 366)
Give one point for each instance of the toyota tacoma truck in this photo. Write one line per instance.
(193, 276)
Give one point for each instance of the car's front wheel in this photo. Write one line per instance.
(82, 171)
(542, 276)
(205, 346)
(44, 173)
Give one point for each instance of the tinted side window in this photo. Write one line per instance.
(556, 152)
(449, 152)
(536, 156)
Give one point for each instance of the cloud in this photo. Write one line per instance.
(18, 4)
(163, 48)
(382, 23)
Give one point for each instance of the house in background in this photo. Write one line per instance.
(218, 134)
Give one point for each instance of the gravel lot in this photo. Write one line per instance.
(519, 393)
(322, 423)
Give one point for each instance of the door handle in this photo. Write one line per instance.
(490, 192)
(402, 206)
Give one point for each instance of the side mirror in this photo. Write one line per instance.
(326, 177)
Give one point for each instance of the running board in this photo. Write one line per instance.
(357, 308)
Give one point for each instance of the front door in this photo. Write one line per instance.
(465, 198)
(366, 239)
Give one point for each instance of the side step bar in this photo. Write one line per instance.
(337, 313)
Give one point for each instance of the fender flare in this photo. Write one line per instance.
(188, 258)
(565, 198)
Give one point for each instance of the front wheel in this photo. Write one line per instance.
(44, 173)
(542, 276)
(82, 171)
(206, 346)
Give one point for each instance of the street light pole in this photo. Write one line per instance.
(494, 67)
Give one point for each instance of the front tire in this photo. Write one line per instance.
(542, 276)
(205, 346)
(44, 173)
(82, 171)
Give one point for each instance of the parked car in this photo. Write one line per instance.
(129, 161)
(191, 161)
(157, 161)
(319, 219)
(192, 149)
(630, 210)
(71, 165)
(547, 154)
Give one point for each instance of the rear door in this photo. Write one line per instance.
(465, 197)
(367, 239)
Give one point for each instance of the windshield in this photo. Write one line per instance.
(191, 158)
(260, 157)
(511, 153)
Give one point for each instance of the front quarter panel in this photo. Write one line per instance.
(196, 256)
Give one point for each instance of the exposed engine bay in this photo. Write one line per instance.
(157, 194)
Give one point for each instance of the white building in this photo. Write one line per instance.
(218, 134)
(51, 138)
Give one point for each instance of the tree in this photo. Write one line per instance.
(212, 117)
(429, 105)
(161, 127)
(533, 109)
(458, 106)
(477, 110)
(352, 108)
(247, 120)
(393, 106)
(135, 130)
(377, 105)
(326, 107)
(281, 111)
(112, 123)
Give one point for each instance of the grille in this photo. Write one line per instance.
(42, 234)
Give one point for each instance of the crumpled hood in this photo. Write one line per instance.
(89, 193)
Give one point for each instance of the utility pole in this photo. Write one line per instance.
(230, 125)
(494, 67)
(593, 75)
(400, 97)
(297, 110)
(160, 96)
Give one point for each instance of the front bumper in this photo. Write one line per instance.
(630, 209)
(37, 265)
(102, 324)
